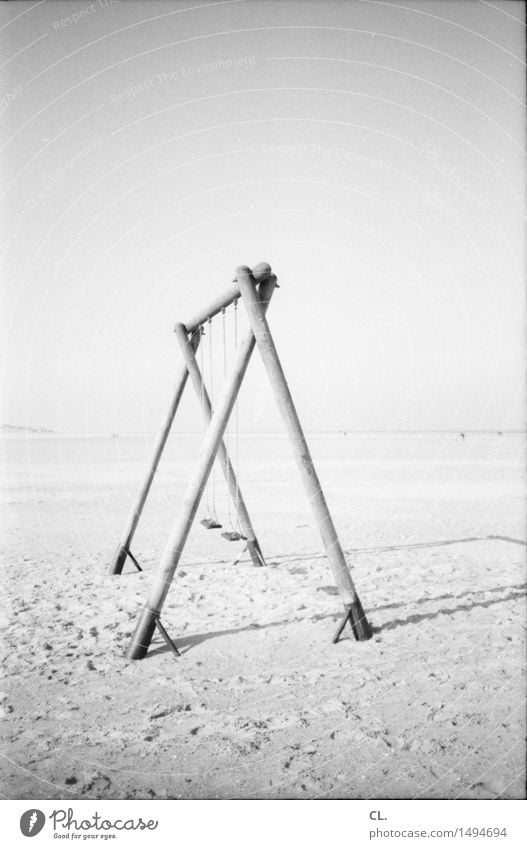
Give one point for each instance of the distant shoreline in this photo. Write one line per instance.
(23, 432)
(23, 429)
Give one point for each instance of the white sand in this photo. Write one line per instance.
(261, 704)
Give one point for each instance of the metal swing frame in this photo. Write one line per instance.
(254, 289)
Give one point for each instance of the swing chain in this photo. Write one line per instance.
(210, 521)
(227, 429)
(201, 363)
(211, 377)
(202, 402)
(236, 422)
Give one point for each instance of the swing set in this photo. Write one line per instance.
(254, 289)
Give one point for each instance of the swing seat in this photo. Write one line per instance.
(232, 536)
(210, 524)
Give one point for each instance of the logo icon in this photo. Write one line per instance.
(32, 822)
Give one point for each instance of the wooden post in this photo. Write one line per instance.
(176, 542)
(335, 554)
(260, 272)
(188, 348)
(123, 549)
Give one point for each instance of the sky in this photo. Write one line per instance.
(371, 152)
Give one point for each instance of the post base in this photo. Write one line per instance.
(360, 626)
(144, 632)
(254, 550)
(142, 635)
(119, 559)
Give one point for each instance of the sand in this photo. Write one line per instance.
(261, 704)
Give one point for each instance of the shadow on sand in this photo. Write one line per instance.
(415, 546)
(517, 591)
(416, 618)
(280, 559)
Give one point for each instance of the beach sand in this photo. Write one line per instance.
(261, 704)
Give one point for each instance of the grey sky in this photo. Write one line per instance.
(372, 152)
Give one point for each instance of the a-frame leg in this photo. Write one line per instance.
(123, 549)
(176, 542)
(188, 350)
(258, 323)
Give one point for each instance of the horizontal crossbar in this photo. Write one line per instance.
(260, 272)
